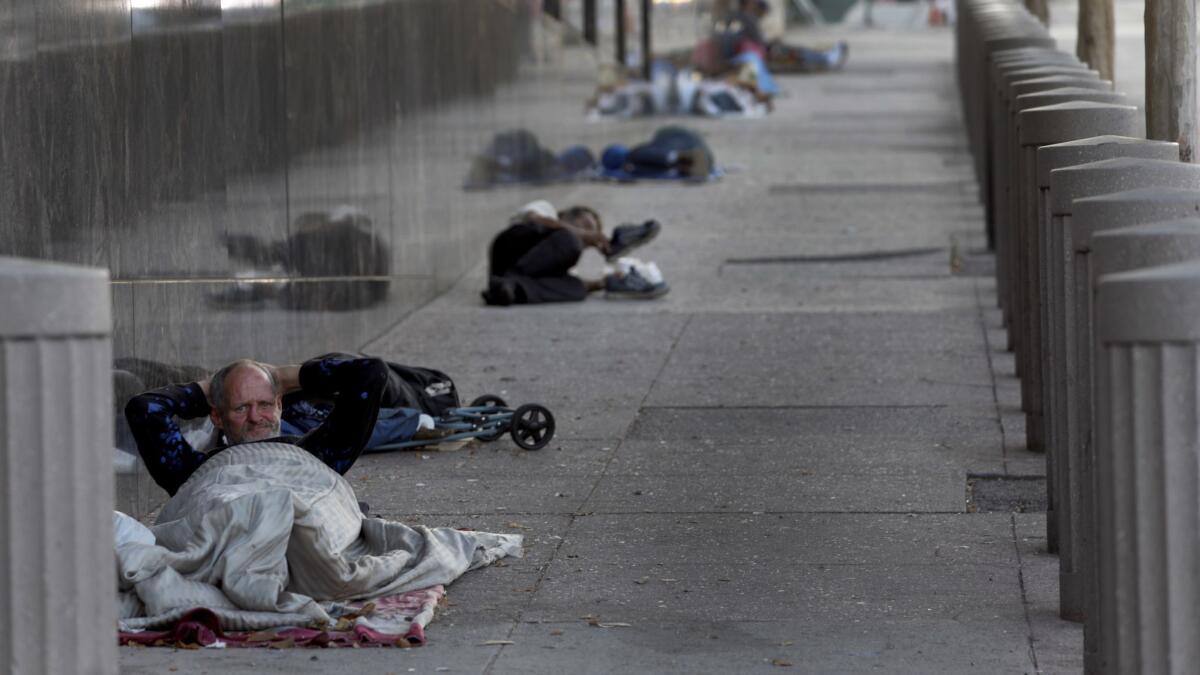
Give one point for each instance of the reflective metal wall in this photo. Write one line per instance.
(267, 178)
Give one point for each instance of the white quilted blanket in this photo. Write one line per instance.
(266, 535)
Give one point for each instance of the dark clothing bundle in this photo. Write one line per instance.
(662, 151)
(517, 156)
(345, 248)
(537, 261)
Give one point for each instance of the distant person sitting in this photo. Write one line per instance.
(738, 40)
(245, 400)
(530, 261)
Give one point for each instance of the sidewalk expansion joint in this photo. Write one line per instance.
(830, 406)
(937, 187)
(987, 348)
(586, 514)
(862, 256)
(1012, 523)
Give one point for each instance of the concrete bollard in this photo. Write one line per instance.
(1068, 185)
(1148, 327)
(980, 98)
(1041, 99)
(1004, 158)
(1005, 140)
(1003, 74)
(1036, 127)
(1053, 373)
(984, 28)
(972, 70)
(988, 31)
(1114, 251)
(1050, 82)
(1006, 32)
(1009, 77)
(1090, 216)
(57, 571)
(1027, 97)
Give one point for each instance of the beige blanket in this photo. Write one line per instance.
(266, 535)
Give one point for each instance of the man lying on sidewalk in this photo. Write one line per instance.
(244, 401)
(530, 261)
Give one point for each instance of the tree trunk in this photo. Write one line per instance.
(1171, 74)
(1094, 44)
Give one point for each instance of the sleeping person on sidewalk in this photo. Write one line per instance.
(530, 261)
(244, 400)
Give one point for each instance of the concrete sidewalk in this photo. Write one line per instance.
(766, 470)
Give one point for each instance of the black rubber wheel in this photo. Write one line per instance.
(488, 438)
(488, 401)
(532, 426)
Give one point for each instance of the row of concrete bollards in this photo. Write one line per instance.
(1097, 238)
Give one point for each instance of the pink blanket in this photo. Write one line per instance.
(391, 621)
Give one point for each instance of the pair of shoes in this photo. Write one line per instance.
(632, 285)
(625, 238)
(500, 292)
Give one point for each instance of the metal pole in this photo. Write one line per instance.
(589, 21)
(1171, 74)
(647, 6)
(620, 31)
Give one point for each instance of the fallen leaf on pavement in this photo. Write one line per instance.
(498, 642)
(781, 663)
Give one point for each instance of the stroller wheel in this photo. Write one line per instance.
(489, 401)
(501, 427)
(532, 426)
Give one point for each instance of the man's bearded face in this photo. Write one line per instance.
(251, 409)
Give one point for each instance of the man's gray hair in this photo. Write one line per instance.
(216, 386)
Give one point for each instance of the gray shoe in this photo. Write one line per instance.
(625, 238)
(633, 286)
